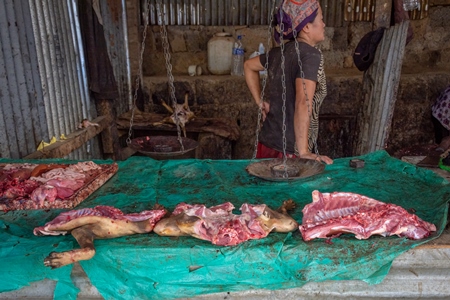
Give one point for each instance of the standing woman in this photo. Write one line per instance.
(305, 85)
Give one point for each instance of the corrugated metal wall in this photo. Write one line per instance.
(23, 118)
(61, 66)
(43, 83)
(229, 12)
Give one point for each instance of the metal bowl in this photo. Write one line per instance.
(298, 168)
(162, 147)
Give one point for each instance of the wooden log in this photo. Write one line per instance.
(73, 141)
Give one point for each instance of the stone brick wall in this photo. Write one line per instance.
(426, 74)
(429, 48)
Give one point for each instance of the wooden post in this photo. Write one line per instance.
(134, 30)
(380, 84)
(110, 135)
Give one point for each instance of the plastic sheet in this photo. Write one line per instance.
(148, 266)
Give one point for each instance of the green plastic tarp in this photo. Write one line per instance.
(148, 266)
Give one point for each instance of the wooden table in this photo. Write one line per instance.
(444, 240)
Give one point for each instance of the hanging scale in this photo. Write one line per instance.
(159, 147)
(285, 168)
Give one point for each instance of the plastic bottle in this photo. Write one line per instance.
(409, 5)
(262, 50)
(237, 67)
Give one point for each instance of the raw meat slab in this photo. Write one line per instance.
(94, 180)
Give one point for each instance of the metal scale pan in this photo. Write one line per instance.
(162, 147)
(273, 169)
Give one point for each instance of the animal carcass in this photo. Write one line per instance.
(220, 226)
(332, 214)
(182, 114)
(88, 224)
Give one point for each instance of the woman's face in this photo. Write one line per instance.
(318, 27)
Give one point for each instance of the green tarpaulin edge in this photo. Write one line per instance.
(152, 267)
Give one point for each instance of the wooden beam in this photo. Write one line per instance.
(74, 141)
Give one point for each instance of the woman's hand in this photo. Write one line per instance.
(265, 109)
(321, 158)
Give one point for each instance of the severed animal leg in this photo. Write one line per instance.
(186, 102)
(166, 120)
(166, 106)
(89, 224)
(85, 239)
(189, 114)
(86, 230)
(280, 220)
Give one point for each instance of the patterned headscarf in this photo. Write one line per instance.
(294, 14)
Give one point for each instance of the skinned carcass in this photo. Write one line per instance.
(88, 224)
(182, 112)
(332, 214)
(220, 226)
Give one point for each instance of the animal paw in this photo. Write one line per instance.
(57, 259)
(287, 206)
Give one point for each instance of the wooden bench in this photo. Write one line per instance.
(72, 142)
(215, 136)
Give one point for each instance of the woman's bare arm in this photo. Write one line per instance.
(302, 117)
(251, 73)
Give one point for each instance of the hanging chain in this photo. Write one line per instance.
(138, 77)
(266, 67)
(165, 43)
(283, 96)
(302, 74)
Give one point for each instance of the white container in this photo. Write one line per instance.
(220, 48)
